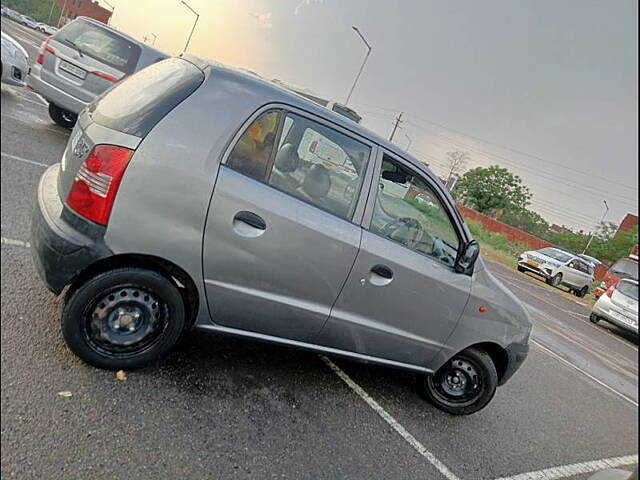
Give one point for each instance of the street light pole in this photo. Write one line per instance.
(410, 141)
(601, 220)
(194, 24)
(154, 38)
(362, 66)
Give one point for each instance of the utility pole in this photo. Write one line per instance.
(64, 5)
(396, 125)
(53, 4)
(601, 220)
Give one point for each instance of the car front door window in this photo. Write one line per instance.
(407, 211)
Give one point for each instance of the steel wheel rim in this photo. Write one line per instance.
(125, 321)
(458, 382)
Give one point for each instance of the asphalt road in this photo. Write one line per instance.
(228, 408)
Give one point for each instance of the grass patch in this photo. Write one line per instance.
(495, 246)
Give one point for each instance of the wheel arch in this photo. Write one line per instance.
(172, 272)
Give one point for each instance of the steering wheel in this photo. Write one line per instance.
(405, 230)
(440, 252)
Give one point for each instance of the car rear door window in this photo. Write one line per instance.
(408, 211)
(100, 44)
(312, 162)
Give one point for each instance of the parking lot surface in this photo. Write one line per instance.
(226, 408)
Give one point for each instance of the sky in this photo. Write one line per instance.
(546, 88)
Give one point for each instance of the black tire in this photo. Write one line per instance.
(62, 117)
(594, 318)
(582, 292)
(555, 280)
(521, 269)
(436, 388)
(123, 319)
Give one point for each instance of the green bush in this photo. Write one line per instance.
(497, 241)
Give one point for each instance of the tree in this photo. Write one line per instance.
(492, 189)
(527, 220)
(457, 160)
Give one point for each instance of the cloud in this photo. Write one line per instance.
(305, 2)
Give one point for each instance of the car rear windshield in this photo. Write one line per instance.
(628, 289)
(625, 268)
(135, 105)
(101, 44)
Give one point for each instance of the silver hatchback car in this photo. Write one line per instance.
(82, 60)
(195, 196)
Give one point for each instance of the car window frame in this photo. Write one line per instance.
(367, 178)
(435, 188)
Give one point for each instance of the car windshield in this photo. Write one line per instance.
(629, 289)
(556, 254)
(625, 268)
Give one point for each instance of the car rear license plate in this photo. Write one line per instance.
(73, 70)
(533, 263)
(623, 318)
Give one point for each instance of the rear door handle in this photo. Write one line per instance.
(251, 219)
(382, 271)
(380, 276)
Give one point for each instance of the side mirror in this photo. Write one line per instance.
(395, 177)
(467, 257)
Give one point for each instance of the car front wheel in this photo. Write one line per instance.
(123, 319)
(462, 386)
(555, 280)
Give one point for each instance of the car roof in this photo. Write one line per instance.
(276, 93)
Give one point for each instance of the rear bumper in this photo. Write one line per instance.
(59, 251)
(516, 354)
(603, 309)
(53, 94)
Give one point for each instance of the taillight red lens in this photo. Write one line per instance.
(106, 76)
(96, 184)
(44, 48)
(611, 289)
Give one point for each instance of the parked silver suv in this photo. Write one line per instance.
(82, 60)
(558, 267)
(195, 196)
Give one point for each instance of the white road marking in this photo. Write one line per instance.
(14, 242)
(586, 374)
(392, 422)
(566, 471)
(24, 160)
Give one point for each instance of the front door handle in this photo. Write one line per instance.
(380, 275)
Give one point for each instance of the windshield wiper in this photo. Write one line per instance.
(73, 44)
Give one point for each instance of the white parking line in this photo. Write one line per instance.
(24, 160)
(575, 469)
(588, 375)
(393, 423)
(14, 242)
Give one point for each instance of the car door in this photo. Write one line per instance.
(282, 232)
(573, 275)
(403, 298)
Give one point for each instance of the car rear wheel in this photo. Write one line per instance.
(62, 117)
(123, 319)
(555, 280)
(462, 386)
(582, 292)
(594, 318)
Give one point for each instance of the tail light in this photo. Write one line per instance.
(96, 183)
(105, 76)
(611, 289)
(44, 48)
